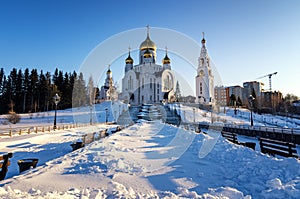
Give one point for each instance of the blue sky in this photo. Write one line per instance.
(245, 39)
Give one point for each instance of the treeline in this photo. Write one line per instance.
(33, 91)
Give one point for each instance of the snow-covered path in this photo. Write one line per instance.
(44, 146)
(155, 160)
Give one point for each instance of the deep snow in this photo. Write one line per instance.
(147, 160)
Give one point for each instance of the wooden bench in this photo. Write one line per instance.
(232, 137)
(4, 163)
(117, 129)
(275, 147)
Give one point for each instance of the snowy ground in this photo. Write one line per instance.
(146, 160)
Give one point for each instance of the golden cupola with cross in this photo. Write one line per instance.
(147, 50)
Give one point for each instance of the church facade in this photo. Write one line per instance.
(147, 81)
(204, 79)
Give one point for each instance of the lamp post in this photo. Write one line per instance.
(251, 99)
(194, 114)
(56, 100)
(234, 107)
(106, 115)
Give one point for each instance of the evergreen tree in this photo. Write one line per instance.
(3, 93)
(26, 85)
(43, 92)
(13, 88)
(49, 91)
(79, 92)
(67, 92)
(2, 76)
(55, 76)
(6, 100)
(90, 96)
(19, 92)
(232, 99)
(90, 91)
(33, 90)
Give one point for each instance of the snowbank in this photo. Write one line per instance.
(154, 160)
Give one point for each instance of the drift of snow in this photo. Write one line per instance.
(155, 160)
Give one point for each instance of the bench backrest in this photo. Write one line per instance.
(4, 163)
(275, 147)
(230, 136)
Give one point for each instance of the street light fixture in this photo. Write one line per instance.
(106, 115)
(56, 100)
(194, 114)
(251, 100)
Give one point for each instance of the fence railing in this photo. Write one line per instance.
(39, 129)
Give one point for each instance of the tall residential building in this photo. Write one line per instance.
(220, 95)
(249, 88)
(237, 91)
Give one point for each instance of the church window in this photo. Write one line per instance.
(128, 85)
(142, 98)
(150, 83)
(150, 97)
(142, 82)
(201, 88)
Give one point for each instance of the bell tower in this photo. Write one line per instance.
(204, 78)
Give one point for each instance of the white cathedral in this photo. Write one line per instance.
(204, 78)
(148, 82)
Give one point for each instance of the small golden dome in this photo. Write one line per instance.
(166, 60)
(108, 71)
(203, 40)
(129, 60)
(147, 54)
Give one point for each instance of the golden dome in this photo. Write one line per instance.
(148, 44)
(203, 40)
(108, 71)
(147, 54)
(129, 60)
(166, 60)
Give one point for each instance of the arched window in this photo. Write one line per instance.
(201, 88)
